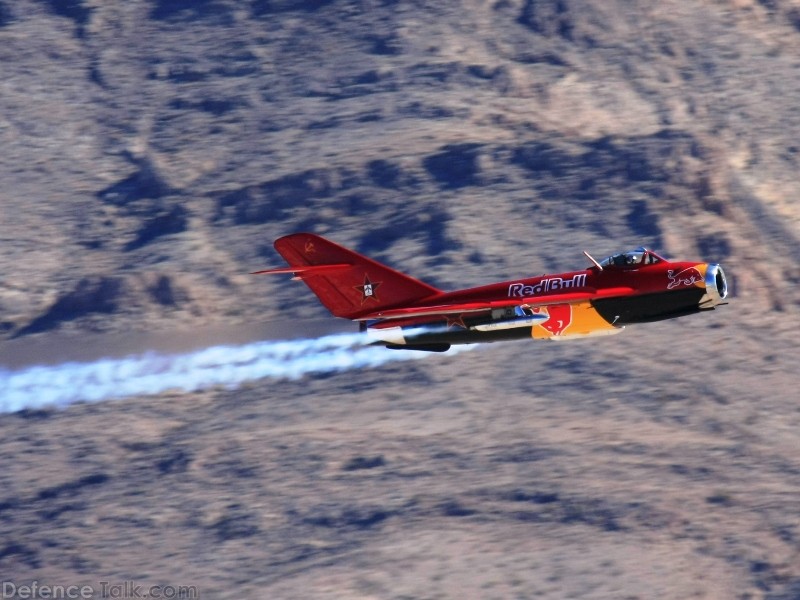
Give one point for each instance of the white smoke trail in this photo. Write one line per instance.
(151, 373)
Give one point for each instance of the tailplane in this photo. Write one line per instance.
(347, 283)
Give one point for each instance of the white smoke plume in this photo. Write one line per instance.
(153, 373)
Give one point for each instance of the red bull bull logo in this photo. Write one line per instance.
(559, 317)
(561, 321)
(688, 276)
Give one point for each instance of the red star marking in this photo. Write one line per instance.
(368, 289)
(455, 321)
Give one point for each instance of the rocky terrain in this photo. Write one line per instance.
(153, 149)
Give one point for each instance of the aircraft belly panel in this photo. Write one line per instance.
(650, 307)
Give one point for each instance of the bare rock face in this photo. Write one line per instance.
(154, 149)
(91, 295)
(617, 123)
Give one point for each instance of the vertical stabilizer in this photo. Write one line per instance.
(347, 283)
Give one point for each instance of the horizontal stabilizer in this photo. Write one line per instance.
(425, 311)
(305, 271)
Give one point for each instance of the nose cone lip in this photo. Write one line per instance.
(716, 283)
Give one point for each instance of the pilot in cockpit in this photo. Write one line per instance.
(631, 258)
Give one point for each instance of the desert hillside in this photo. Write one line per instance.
(152, 150)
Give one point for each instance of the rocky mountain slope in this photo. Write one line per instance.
(153, 149)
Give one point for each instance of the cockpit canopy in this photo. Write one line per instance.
(640, 256)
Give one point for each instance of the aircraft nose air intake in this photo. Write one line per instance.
(716, 286)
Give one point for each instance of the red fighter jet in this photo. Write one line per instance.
(401, 312)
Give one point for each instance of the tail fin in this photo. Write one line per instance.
(347, 283)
